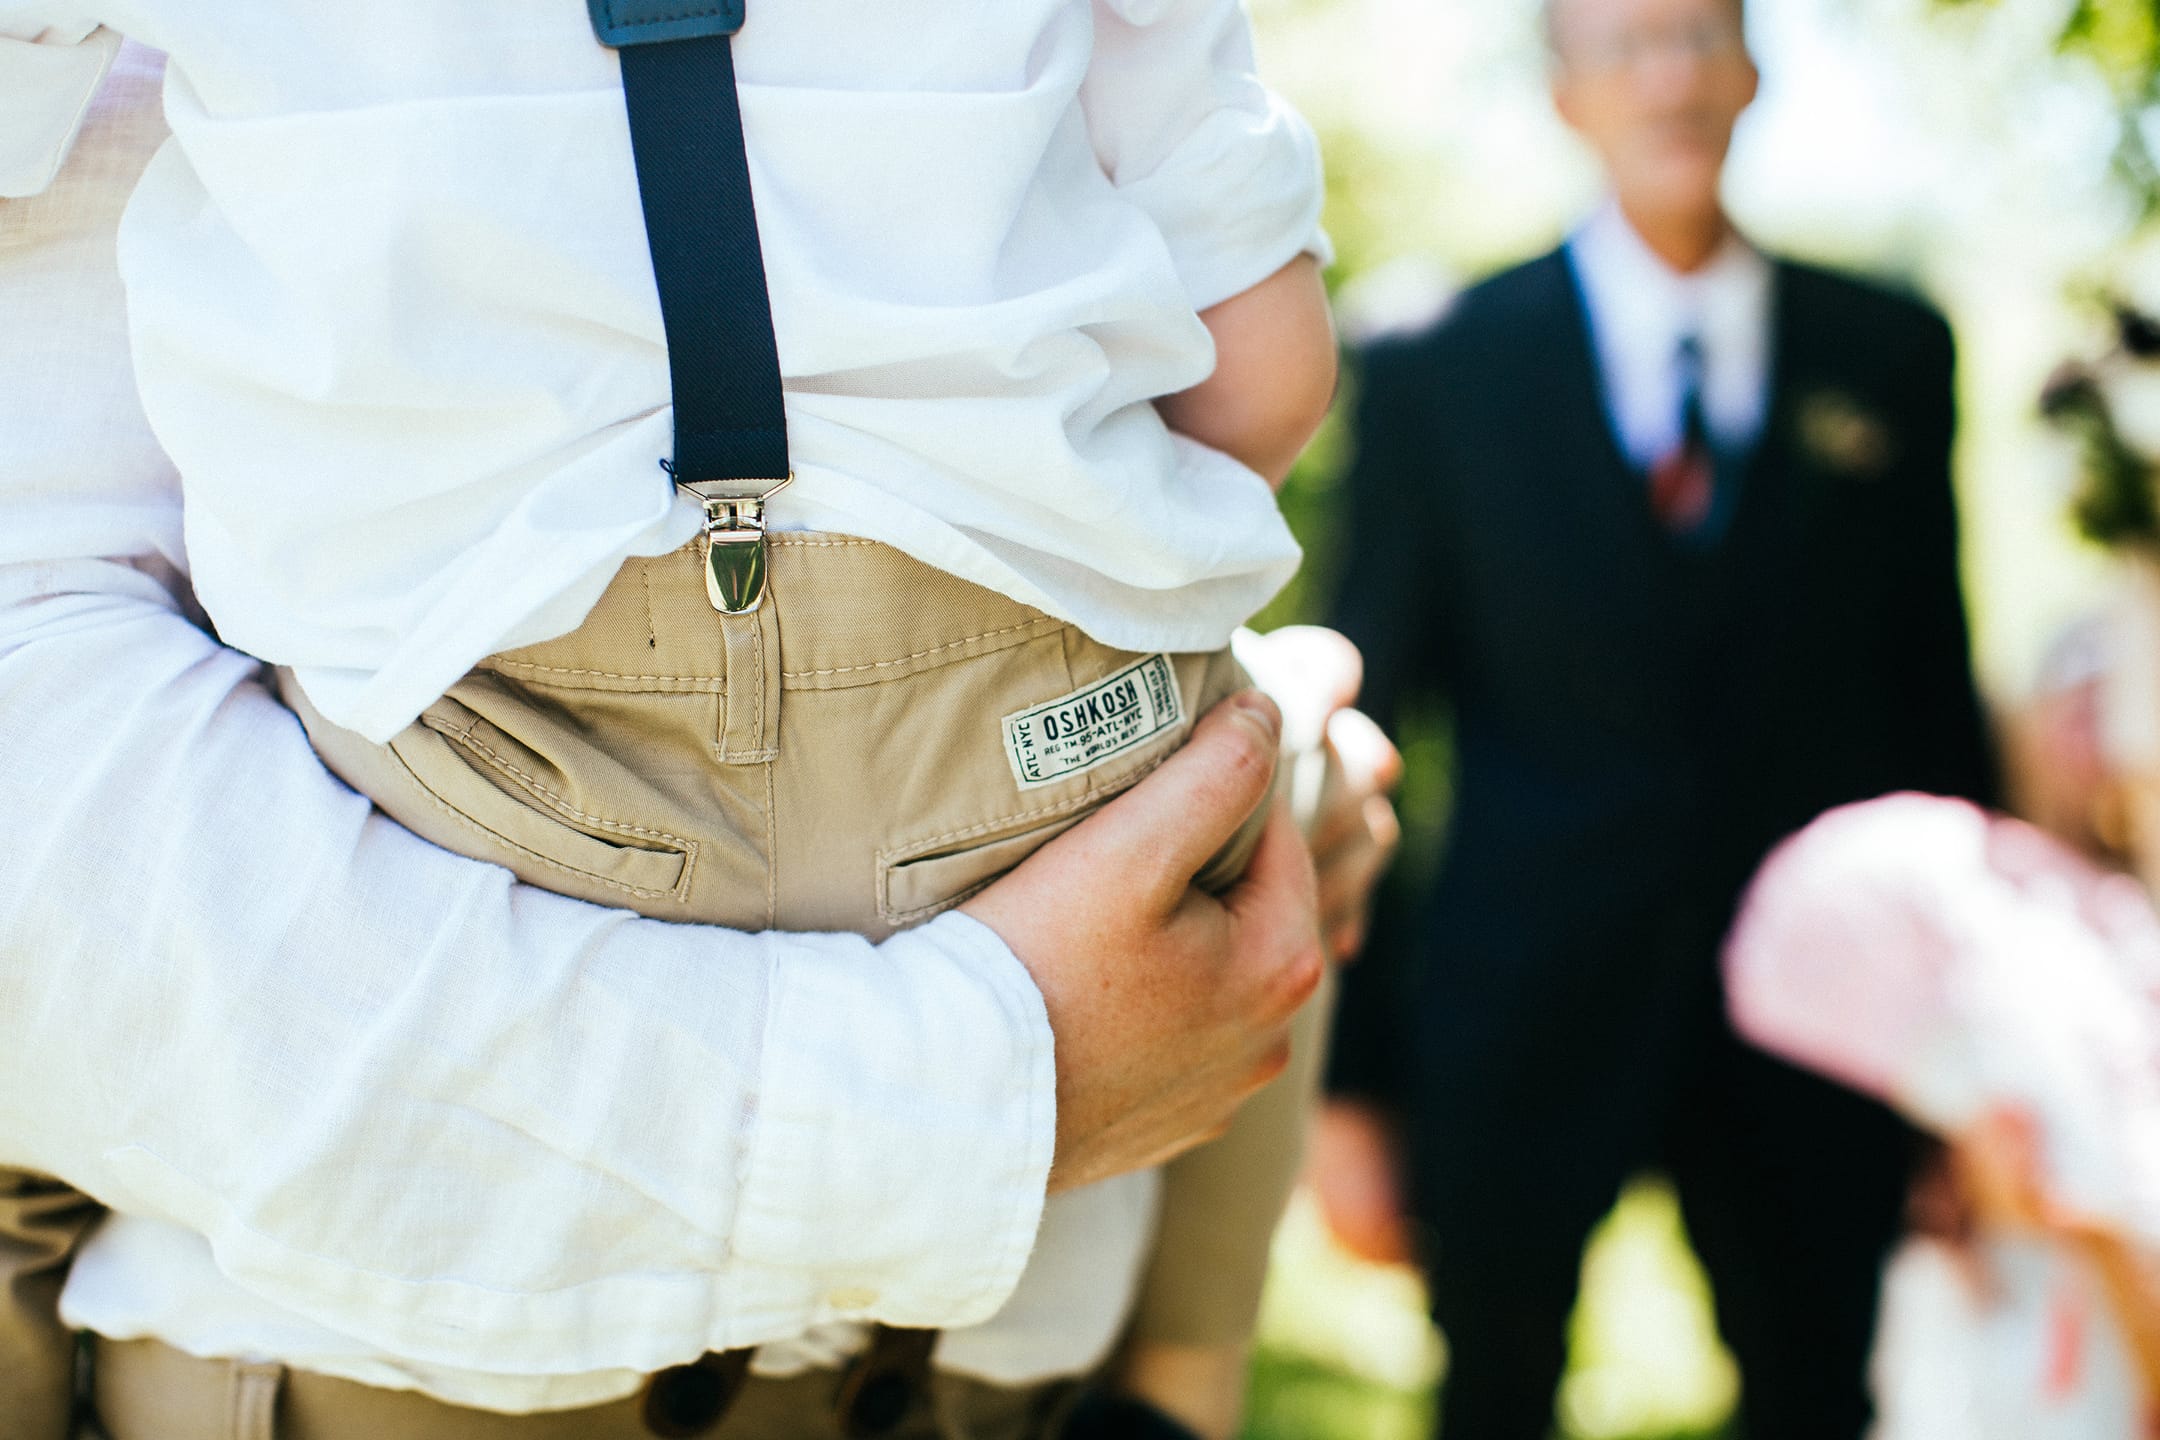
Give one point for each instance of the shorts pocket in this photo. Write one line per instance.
(452, 754)
(919, 881)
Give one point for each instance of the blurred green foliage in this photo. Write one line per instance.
(1339, 1359)
(2121, 39)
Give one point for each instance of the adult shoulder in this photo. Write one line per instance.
(1489, 318)
(1890, 317)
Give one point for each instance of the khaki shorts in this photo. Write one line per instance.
(838, 760)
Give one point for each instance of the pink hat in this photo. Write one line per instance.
(1947, 960)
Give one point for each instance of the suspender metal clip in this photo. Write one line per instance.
(734, 539)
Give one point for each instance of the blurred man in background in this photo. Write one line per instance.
(1668, 524)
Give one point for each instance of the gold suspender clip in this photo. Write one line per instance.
(734, 539)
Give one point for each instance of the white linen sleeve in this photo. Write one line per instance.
(457, 1118)
(50, 68)
(1228, 171)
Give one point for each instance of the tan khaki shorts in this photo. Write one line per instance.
(839, 760)
(835, 761)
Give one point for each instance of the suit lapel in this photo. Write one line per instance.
(1580, 404)
(1601, 486)
(1777, 496)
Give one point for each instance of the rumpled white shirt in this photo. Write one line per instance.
(1640, 309)
(394, 319)
(380, 1111)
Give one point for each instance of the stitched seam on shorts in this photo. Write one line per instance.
(476, 827)
(472, 718)
(922, 912)
(557, 802)
(793, 544)
(772, 855)
(1043, 622)
(598, 674)
(542, 793)
(761, 752)
(757, 654)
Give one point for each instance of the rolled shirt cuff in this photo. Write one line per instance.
(1240, 199)
(944, 1185)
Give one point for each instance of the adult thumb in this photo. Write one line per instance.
(1167, 827)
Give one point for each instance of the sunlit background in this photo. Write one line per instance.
(1950, 145)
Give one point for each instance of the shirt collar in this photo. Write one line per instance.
(1635, 294)
(1639, 309)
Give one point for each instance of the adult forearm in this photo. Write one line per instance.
(445, 1113)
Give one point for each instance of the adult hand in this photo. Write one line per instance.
(1354, 1167)
(1355, 831)
(1315, 675)
(1169, 1006)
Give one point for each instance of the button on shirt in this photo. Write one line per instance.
(379, 1110)
(1640, 311)
(394, 319)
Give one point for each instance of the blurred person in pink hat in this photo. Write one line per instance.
(2003, 993)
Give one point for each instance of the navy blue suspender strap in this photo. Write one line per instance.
(731, 452)
(693, 172)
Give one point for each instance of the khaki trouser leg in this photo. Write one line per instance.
(1222, 1202)
(148, 1391)
(41, 1222)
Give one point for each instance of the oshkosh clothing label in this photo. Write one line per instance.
(1079, 731)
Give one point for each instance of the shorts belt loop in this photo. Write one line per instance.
(750, 710)
(255, 1387)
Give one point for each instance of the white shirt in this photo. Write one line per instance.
(394, 319)
(1641, 309)
(381, 1111)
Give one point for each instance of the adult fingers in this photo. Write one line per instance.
(1369, 765)
(1275, 909)
(1349, 874)
(1177, 818)
(1369, 758)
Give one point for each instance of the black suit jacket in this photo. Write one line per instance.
(1636, 722)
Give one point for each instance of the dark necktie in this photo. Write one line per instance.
(1683, 482)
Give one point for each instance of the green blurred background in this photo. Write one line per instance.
(1994, 154)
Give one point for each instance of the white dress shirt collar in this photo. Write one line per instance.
(1640, 309)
